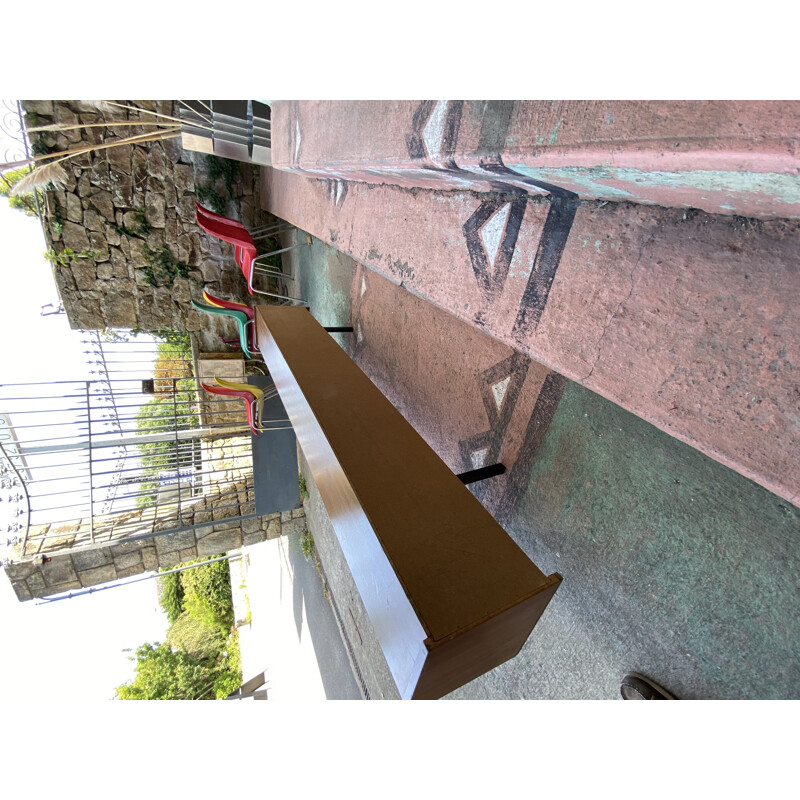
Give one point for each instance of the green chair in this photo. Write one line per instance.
(241, 321)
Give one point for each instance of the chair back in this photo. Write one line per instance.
(241, 387)
(241, 318)
(238, 237)
(206, 212)
(218, 301)
(248, 397)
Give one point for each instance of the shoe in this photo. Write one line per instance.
(637, 687)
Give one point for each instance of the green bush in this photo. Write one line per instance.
(172, 596)
(229, 675)
(200, 640)
(199, 608)
(201, 657)
(166, 674)
(211, 584)
(24, 204)
(212, 198)
(307, 545)
(223, 168)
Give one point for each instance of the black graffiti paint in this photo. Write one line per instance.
(515, 368)
(538, 425)
(452, 124)
(561, 214)
(492, 277)
(556, 230)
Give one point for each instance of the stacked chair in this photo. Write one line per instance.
(254, 398)
(247, 258)
(243, 323)
(244, 249)
(241, 313)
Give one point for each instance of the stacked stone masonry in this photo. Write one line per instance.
(140, 540)
(124, 202)
(90, 566)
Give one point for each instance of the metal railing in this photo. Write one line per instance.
(237, 129)
(17, 147)
(136, 450)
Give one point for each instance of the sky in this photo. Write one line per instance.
(73, 646)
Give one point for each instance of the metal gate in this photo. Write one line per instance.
(136, 450)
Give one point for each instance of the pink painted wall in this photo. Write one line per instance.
(687, 320)
(735, 158)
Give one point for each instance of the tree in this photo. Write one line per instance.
(174, 407)
(166, 674)
(23, 203)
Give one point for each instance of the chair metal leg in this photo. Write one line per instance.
(268, 225)
(276, 252)
(272, 270)
(279, 296)
(262, 234)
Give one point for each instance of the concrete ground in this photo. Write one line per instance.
(292, 636)
(673, 565)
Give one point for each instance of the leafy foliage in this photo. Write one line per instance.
(140, 215)
(198, 639)
(143, 226)
(24, 204)
(166, 674)
(201, 657)
(211, 197)
(172, 594)
(208, 593)
(39, 146)
(162, 267)
(68, 255)
(224, 168)
(307, 545)
(230, 668)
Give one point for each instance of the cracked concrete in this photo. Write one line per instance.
(619, 308)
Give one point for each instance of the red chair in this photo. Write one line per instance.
(252, 398)
(244, 250)
(255, 233)
(250, 402)
(211, 216)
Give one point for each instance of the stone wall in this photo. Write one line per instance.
(227, 477)
(62, 558)
(98, 564)
(125, 203)
(127, 253)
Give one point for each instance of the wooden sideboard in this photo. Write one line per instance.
(450, 595)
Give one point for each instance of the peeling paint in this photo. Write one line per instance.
(608, 182)
(554, 133)
(583, 180)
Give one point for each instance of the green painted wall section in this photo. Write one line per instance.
(772, 186)
(682, 555)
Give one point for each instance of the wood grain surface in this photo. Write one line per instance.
(450, 594)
